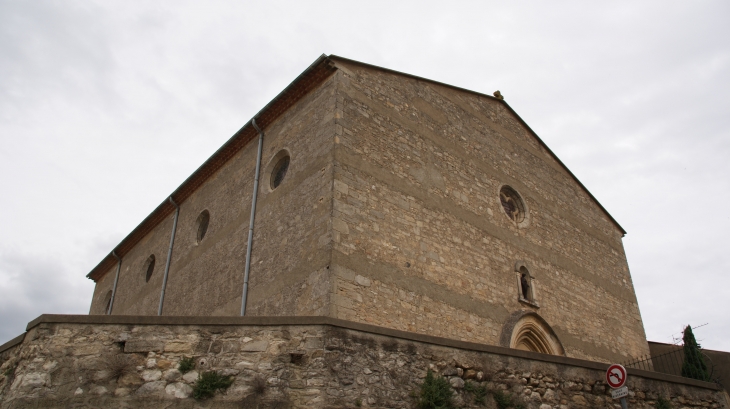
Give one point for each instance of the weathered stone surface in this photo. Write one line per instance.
(33, 380)
(143, 345)
(121, 392)
(151, 387)
(579, 400)
(378, 370)
(255, 346)
(98, 390)
(151, 375)
(179, 390)
(228, 372)
(191, 376)
(363, 281)
(130, 379)
(456, 383)
(179, 347)
(171, 375)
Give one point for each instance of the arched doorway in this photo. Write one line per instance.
(527, 331)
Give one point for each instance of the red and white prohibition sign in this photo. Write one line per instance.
(616, 376)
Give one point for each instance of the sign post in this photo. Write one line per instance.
(616, 379)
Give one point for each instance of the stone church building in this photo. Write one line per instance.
(387, 199)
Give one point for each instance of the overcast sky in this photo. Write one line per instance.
(106, 107)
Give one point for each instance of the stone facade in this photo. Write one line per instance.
(73, 361)
(390, 214)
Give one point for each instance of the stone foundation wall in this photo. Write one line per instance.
(302, 362)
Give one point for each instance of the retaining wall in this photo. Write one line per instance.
(294, 362)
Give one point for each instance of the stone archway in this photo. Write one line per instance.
(527, 331)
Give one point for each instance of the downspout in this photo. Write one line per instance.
(253, 215)
(169, 255)
(116, 280)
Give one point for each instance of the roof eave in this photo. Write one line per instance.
(311, 77)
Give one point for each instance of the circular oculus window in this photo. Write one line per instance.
(279, 172)
(512, 204)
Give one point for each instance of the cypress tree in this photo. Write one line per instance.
(694, 365)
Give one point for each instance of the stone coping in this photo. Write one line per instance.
(335, 322)
(13, 342)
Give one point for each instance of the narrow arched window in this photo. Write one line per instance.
(107, 301)
(149, 267)
(202, 222)
(526, 291)
(525, 284)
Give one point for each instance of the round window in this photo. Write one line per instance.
(279, 171)
(512, 204)
(202, 222)
(149, 267)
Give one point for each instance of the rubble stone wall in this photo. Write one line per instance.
(302, 362)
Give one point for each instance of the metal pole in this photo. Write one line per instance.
(169, 255)
(244, 296)
(116, 280)
(624, 405)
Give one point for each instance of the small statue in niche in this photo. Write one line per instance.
(525, 284)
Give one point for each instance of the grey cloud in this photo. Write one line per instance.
(105, 107)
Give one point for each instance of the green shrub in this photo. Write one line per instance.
(479, 392)
(208, 383)
(435, 393)
(505, 400)
(186, 365)
(694, 365)
(662, 403)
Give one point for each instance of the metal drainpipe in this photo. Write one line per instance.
(116, 280)
(169, 256)
(253, 214)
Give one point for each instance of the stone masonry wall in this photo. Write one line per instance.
(290, 254)
(287, 362)
(421, 240)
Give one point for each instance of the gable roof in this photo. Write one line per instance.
(313, 76)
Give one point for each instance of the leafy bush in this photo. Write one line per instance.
(505, 401)
(208, 383)
(662, 403)
(435, 393)
(186, 365)
(478, 391)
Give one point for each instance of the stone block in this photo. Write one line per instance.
(255, 346)
(151, 388)
(150, 375)
(190, 377)
(178, 347)
(179, 390)
(363, 281)
(143, 345)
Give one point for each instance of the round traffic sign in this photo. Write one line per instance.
(616, 376)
